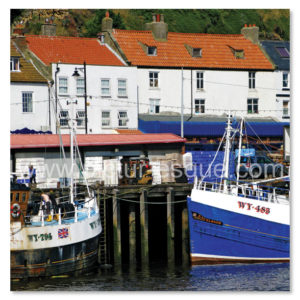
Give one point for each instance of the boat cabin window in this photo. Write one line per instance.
(11, 197)
(23, 197)
(17, 197)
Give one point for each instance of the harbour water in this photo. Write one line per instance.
(237, 277)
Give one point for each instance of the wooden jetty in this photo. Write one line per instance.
(142, 224)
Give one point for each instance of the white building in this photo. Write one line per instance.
(29, 96)
(111, 97)
(105, 88)
(211, 73)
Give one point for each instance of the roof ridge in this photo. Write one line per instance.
(184, 33)
(60, 37)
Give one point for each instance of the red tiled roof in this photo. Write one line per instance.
(216, 50)
(21, 141)
(73, 50)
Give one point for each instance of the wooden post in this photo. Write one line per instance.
(144, 228)
(185, 238)
(117, 228)
(170, 226)
(132, 235)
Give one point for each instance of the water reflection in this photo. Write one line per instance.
(261, 277)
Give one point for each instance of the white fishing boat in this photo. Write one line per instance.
(50, 239)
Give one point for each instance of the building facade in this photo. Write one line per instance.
(103, 85)
(29, 93)
(201, 74)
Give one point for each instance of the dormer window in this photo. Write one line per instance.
(194, 52)
(238, 53)
(14, 64)
(151, 51)
(197, 52)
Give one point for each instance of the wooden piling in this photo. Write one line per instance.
(144, 228)
(185, 238)
(170, 226)
(116, 228)
(132, 235)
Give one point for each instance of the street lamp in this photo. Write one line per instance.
(76, 75)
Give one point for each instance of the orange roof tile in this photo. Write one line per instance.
(216, 52)
(73, 50)
(27, 73)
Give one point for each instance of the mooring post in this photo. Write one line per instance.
(185, 238)
(117, 228)
(132, 235)
(170, 226)
(144, 228)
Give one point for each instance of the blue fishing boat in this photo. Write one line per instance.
(238, 222)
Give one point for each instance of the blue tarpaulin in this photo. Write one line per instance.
(211, 129)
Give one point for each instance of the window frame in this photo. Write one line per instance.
(286, 110)
(109, 87)
(65, 118)
(251, 80)
(200, 80)
(31, 93)
(197, 52)
(123, 118)
(63, 86)
(12, 64)
(153, 79)
(154, 103)
(154, 52)
(78, 118)
(109, 118)
(200, 105)
(126, 88)
(287, 80)
(80, 87)
(252, 111)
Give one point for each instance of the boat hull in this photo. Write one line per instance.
(55, 249)
(72, 258)
(222, 235)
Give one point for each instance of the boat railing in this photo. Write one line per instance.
(250, 191)
(57, 215)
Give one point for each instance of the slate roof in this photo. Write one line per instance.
(271, 48)
(28, 73)
(216, 50)
(73, 50)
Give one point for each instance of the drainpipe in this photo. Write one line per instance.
(85, 99)
(56, 98)
(49, 104)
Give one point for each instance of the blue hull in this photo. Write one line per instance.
(218, 236)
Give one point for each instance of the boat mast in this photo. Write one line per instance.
(239, 153)
(72, 102)
(227, 153)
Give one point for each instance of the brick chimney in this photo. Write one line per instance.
(18, 30)
(250, 32)
(48, 28)
(107, 23)
(158, 27)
